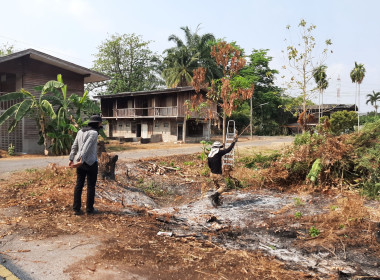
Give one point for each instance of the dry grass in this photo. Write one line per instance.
(44, 199)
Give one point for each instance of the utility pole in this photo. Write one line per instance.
(338, 90)
(250, 120)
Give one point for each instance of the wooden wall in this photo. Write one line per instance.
(29, 74)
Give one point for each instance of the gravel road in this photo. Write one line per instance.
(9, 165)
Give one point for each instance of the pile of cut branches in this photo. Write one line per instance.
(325, 160)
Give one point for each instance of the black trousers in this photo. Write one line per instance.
(91, 172)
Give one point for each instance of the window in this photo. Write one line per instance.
(157, 124)
(166, 124)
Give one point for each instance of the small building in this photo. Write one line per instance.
(28, 69)
(329, 109)
(325, 109)
(155, 115)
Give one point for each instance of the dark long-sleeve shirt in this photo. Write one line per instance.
(215, 162)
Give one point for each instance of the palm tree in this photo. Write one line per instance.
(357, 75)
(373, 98)
(181, 60)
(320, 76)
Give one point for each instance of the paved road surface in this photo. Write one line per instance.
(8, 165)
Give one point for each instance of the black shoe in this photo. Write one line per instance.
(215, 199)
(93, 211)
(377, 236)
(78, 212)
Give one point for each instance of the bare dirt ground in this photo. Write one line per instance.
(156, 222)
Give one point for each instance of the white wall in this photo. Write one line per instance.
(163, 127)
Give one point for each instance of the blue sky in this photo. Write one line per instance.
(73, 29)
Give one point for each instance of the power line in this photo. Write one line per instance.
(42, 48)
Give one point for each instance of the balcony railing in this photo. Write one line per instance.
(147, 112)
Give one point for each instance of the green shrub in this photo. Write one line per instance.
(369, 118)
(206, 147)
(314, 232)
(260, 161)
(303, 139)
(298, 215)
(366, 158)
(343, 122)
(11, 150)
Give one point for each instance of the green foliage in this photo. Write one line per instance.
(298, 215)
(232, 183)
(206, 147)
(53, 112)
(206, 170)
(260, 161)
(189, 163)
(314, 232)
(350, 161)
(129, 62)
(302, 57)
(180, 61)
(366, 158)
(343, 122)
(268, 115)
(151, 188)
(11, 150)
(303, 139)
(373, 98)
(369, 118)
(298, 202)
(315, 170)
(6, 49)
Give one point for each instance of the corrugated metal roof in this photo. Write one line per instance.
(148, 92)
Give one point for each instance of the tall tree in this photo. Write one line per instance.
(373, 99)
(357, 75)
(264, 104)
(320, 78)
(224, 90)
(302, 57)
(129, 62)
(181, 60)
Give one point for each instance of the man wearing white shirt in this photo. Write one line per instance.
(83, 157)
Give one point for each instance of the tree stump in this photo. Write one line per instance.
(107, 163)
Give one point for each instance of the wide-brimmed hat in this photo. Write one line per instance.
(217, 144)
(95, 119)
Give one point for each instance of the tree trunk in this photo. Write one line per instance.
(224, 128)
(358, 107)
(107, 163)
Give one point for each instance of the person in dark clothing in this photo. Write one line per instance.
(83, 156)
(214, 161)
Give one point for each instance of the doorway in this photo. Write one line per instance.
(180, 132)
(138, 130)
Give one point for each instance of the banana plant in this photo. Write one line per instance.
(53, 111)
(39, 108)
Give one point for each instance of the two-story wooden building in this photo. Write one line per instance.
(28, 69)
(156, 115)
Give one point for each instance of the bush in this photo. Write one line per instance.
(260, 160)
(349, 161)
(366, 158)
(343, 122)
(369, 118)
